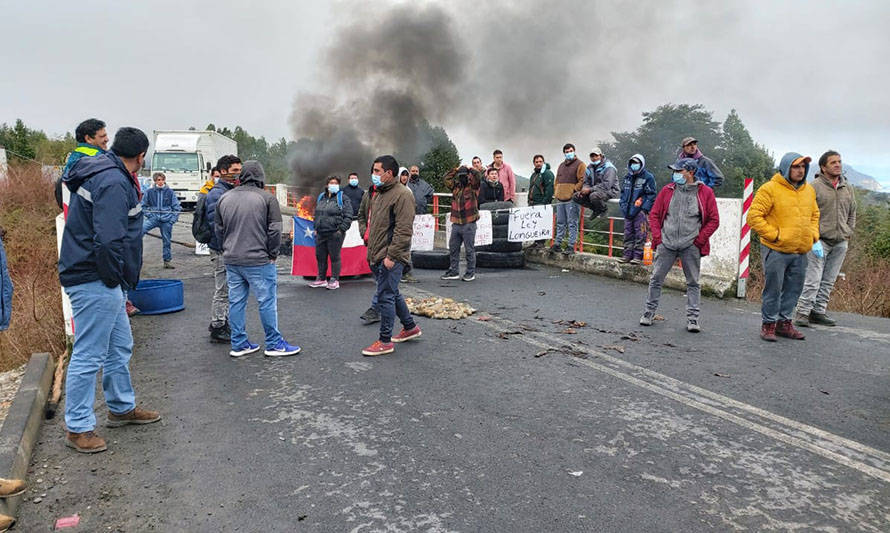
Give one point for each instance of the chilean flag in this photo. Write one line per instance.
(354, 255)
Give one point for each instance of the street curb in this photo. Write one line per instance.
(19, 432)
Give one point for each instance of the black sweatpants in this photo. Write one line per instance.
(328, 245)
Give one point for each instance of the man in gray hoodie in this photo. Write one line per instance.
(248, 224)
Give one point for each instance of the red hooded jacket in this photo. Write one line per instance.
(710, 218)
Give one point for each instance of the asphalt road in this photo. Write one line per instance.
(505, 424)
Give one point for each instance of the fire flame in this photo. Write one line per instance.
(306, 208)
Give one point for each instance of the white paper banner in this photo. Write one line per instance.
(530, 223)
(424, 233)
(484, 232)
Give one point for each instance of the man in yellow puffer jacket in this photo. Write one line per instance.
(785, 215)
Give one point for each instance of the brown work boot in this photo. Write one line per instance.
(136, 416)
(86, 442)
(768, 332)
(784, 328)
(6, 522)
(11, 487)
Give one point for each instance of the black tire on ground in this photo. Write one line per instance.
(432, 259)
(500, 216)
(501, 245)
(500, 259)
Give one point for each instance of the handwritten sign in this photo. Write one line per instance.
(530, 223)
(424, 232)
(484, 233)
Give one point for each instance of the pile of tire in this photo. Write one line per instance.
(501, 253)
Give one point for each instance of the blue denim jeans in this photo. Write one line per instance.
(567, 214)
(149, 223)
(102, 339)
(389, 302)
(783, 276)
(264, 281)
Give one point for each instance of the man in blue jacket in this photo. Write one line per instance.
(708, 172)
(161, 209)
(229, 167)
(92, 140)
(100, 260)
(638, 194)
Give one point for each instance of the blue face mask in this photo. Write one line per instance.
(375, 179)
(334, 188)
(678, 178)
(635, 167)
(570, 156)
(354, 182)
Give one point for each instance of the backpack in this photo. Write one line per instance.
(201, 229)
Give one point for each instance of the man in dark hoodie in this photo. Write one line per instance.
(637, 197)
(100, 260)
(354, 193)
(247, 222)
(540, 187)
(229, 167)
(683, 219)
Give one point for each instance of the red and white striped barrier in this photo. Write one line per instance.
(745, 238)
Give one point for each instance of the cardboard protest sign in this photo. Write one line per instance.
(530, 223)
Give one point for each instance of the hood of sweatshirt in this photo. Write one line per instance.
(641, 159)
(87, 167)
(252, 173)
(785, 167)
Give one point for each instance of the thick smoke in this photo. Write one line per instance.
(391, 73)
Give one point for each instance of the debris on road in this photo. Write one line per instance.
(67, 521)
(576, 474)
(569, 331)
(617, 347)
(571, 323)
(719, 375)
(440, 308)
(483, 318)
(506, 334)
(658, 317)
(545, 352)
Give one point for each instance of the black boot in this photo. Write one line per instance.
(370, 316)
(220, 334)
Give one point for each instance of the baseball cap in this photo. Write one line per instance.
(688, 140)
(687, 163)
(596, 151)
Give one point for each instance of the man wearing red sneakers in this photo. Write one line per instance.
(389, 250)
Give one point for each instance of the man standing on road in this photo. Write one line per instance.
(247, 221)
(569, 177)
(354, 193)
(100, 260)
(785, 215)
(707, 172)
(421, 189)
(161, 208)
(600, 184)
(683, 219)
(464, 185)
(390, 228)
(92, 140)
(372, 315)
(837, 220)
(229, 167)
(505, 176)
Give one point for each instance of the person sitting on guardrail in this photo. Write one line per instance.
(464, 185)
(333, 216)
(354, 192)
(569, 178)
(100, 259)
(683, 219)
(491, 190)
(161, 208)
(637, 197)
(707, 171)
(600, 184)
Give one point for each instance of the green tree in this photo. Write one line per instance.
(739, 157)
(441, 158)
(19, 141)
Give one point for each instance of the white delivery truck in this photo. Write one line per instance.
(186, 158)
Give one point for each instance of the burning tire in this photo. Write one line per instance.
(500, 259)
(431, 259)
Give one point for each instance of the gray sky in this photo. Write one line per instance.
(804, 75)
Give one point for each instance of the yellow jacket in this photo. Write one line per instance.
(787, 219)
(207, 186)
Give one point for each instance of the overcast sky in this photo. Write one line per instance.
(804, 75)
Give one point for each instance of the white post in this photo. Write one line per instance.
(4, 169)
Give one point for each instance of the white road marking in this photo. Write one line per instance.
(855, 455)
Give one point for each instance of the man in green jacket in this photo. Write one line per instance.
(837, 220)
(540, 187)
(390, 228)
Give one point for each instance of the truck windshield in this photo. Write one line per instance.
(174, 162)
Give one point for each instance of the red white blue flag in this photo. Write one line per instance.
(354, 255)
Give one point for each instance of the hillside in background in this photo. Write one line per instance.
(863, 181)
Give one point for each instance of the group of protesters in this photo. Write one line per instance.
(108, 214)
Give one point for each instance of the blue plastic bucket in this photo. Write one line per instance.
(157, 296)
